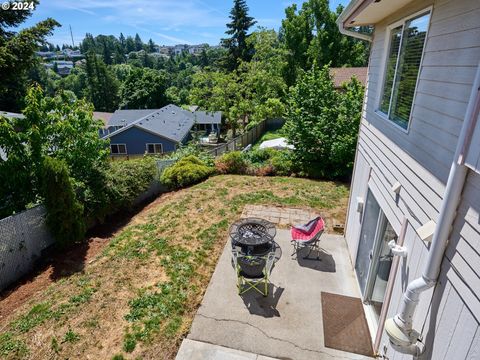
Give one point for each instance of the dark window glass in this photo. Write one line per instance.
(403, 65)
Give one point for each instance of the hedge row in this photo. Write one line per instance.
(70, 211)
(260, 162)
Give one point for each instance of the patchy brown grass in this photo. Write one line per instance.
(139, 296)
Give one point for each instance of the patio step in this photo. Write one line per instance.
(197, 350)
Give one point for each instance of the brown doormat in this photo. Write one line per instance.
(344, 324)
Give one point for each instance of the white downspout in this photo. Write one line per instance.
(399, 329)
(341, 21)
(352, 33)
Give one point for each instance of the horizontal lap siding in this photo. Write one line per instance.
(449, 315)
(136, 140)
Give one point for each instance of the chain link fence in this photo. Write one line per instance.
(23, 237)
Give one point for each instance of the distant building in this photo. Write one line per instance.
(197, 49)
(165, 50)
(46, 54)
(179, 49)
(72, 54)
(64, 67)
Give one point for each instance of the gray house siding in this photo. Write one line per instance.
(448, 315)
(136, 140)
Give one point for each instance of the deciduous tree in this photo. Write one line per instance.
(17, 54)
(322, 123)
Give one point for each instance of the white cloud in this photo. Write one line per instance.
(165, 13)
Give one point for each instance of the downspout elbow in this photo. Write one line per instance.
(343, 30)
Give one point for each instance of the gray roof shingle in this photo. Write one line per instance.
(126, 117)
(171, 122)
(207, 117)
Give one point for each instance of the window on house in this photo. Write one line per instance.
(403, 64)
(118, 149)
(154, 148)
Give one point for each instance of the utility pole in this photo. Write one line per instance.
(71, 35)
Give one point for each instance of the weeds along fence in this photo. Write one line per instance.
(24, 236)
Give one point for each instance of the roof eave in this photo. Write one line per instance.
(343, 20)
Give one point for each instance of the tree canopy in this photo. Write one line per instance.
(322, 123)
(17, 54)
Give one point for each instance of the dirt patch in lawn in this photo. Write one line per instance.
(57, 264)
(138, 289)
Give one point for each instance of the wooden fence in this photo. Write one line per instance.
(241, 141)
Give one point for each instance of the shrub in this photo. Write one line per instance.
(126, 180)
(259, 156)
(64, 212)
(232, 163)
(282, 163)
(264, 170)
(187, 171)
(192, 149)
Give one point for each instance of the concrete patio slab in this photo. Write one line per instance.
(288, 323)
(196, 350)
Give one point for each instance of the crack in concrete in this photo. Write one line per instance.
(273, 337)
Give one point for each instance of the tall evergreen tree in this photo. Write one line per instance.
(129, 45)
(138, 43)
(102, 85)
(237, 46)
(122, 42)
(151, 46)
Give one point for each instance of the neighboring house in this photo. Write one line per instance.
(207, 121)
(417, 177)
(344, 75)
(166, 127)
(136, 132)
(46, 54)
(104, 117)
(64, 67)
(197, 49)
(73, 54)
(179, 49)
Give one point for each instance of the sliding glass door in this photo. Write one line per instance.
(374, 257)
(367, 238)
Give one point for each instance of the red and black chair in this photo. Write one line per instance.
(308, 236)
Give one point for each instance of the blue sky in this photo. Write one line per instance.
(167, 22)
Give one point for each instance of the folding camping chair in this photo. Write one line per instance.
(253, 271)
(307, 236)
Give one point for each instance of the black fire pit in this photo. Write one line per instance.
(253, 236)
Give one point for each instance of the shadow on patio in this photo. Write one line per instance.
(288, 323)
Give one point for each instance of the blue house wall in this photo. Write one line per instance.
(136, 140)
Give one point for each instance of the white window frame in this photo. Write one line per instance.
(161, 146)
(119, 153)
(386, 47)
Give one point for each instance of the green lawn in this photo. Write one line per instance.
(138, 297)
(269, 135)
